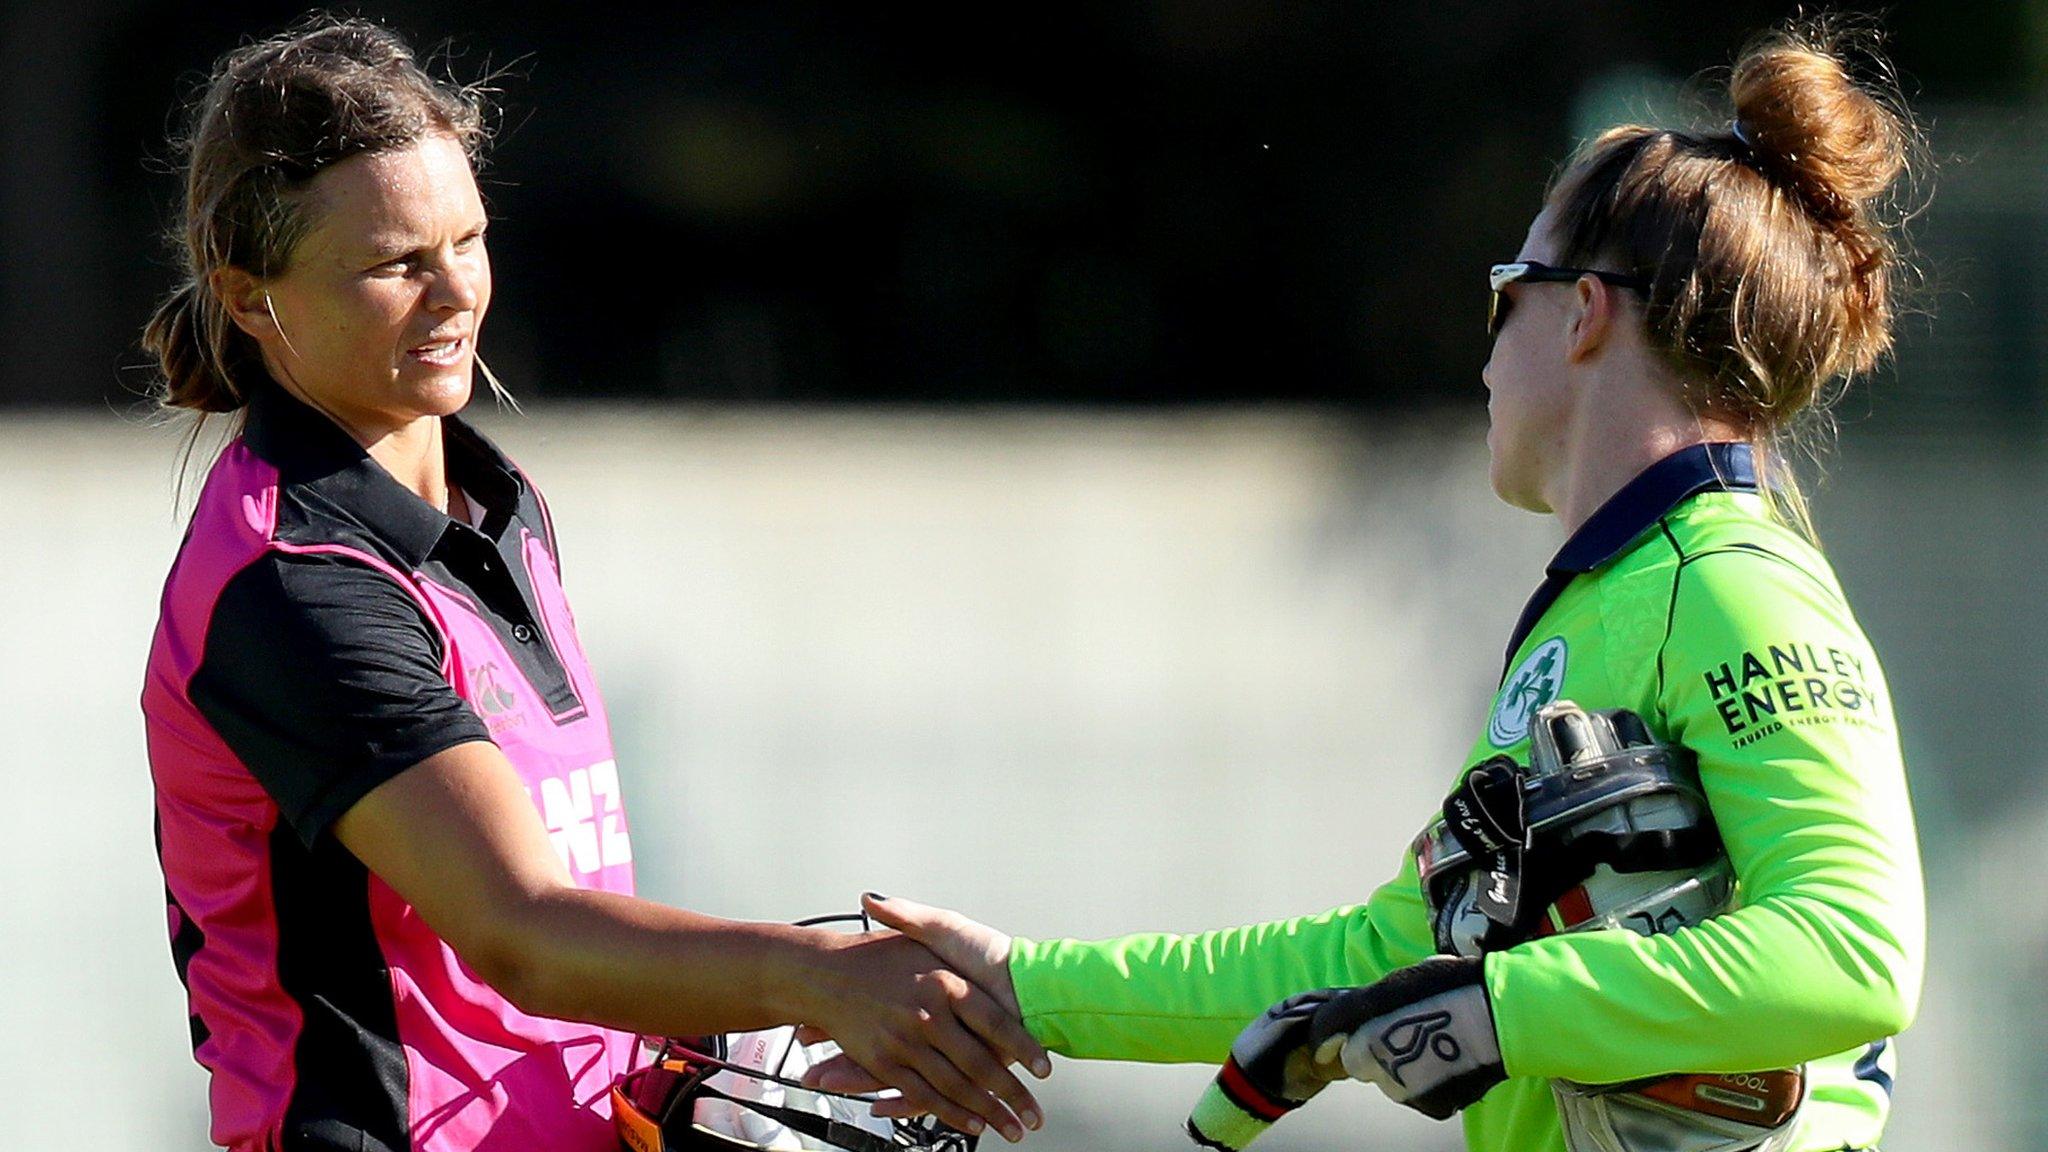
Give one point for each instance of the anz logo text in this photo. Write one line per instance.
(585, 818)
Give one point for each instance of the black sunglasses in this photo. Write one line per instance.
(1531, 272)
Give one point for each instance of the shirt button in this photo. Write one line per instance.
(522, 633)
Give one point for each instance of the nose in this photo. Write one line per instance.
(457, 287)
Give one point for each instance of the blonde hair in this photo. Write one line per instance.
(1769, 244)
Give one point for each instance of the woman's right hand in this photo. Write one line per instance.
(968, 947)
(912, 1023)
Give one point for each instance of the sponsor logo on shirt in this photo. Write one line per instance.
(492, 699)
(495, 701)
(585, 818)
(1534, 683)
(1765, 689)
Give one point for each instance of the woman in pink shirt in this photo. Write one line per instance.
(394, 850)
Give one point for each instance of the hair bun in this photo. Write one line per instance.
(1837, 143)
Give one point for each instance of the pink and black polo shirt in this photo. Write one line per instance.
(324, 629)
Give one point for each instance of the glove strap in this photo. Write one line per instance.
(1486, 816)
(1233, 1111)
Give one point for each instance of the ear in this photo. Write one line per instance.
(246, 301)
(1593, 318)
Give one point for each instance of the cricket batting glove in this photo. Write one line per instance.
(1424, 1034)
(1268, 1075)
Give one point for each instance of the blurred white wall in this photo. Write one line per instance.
(1075, 674)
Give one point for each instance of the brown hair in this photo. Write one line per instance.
(1769, 244)
(273, 115)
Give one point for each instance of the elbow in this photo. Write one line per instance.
(1865, 973)
(1876, 1001)
(1890, 977)
(519, 977)
(1889, 1010)
(509, 951)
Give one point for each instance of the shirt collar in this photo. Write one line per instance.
(1644, 500)
(310, 450)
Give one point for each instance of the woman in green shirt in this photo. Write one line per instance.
(1680, 300)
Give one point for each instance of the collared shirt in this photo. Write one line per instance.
(322, 630)
(1632, 511)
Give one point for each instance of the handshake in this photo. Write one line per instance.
(1424, 1034)
(921, 1009)
(1606, 828)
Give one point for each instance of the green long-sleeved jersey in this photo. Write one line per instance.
(1685, 600)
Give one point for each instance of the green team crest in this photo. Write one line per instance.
(1536, 681)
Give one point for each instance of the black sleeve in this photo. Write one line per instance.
(324, 677)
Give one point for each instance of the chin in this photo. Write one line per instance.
(1512, 494)
(443, 394)
(1496, 475)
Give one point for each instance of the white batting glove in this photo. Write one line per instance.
(1424, 1034)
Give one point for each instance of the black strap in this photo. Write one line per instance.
(837, 1133)
(1486, 816)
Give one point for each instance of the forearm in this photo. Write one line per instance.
(459, 839)
(641, 966)
(1786, 980)
(1823, 953)
(1171, 998)
(1158, 996)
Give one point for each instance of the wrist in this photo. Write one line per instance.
(1021, 960)
(1001, 950)
(796, 971)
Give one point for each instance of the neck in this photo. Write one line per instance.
(1616, 433)
(410, 451)
(414, 457)
(1598, 476)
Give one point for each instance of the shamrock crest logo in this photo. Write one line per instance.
(1536, 681)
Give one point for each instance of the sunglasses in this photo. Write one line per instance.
(1530, 272)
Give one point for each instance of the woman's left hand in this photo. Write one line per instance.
(1423, 1033)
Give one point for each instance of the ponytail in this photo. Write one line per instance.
(191, 337)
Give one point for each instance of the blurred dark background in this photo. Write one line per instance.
(1169, 202)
